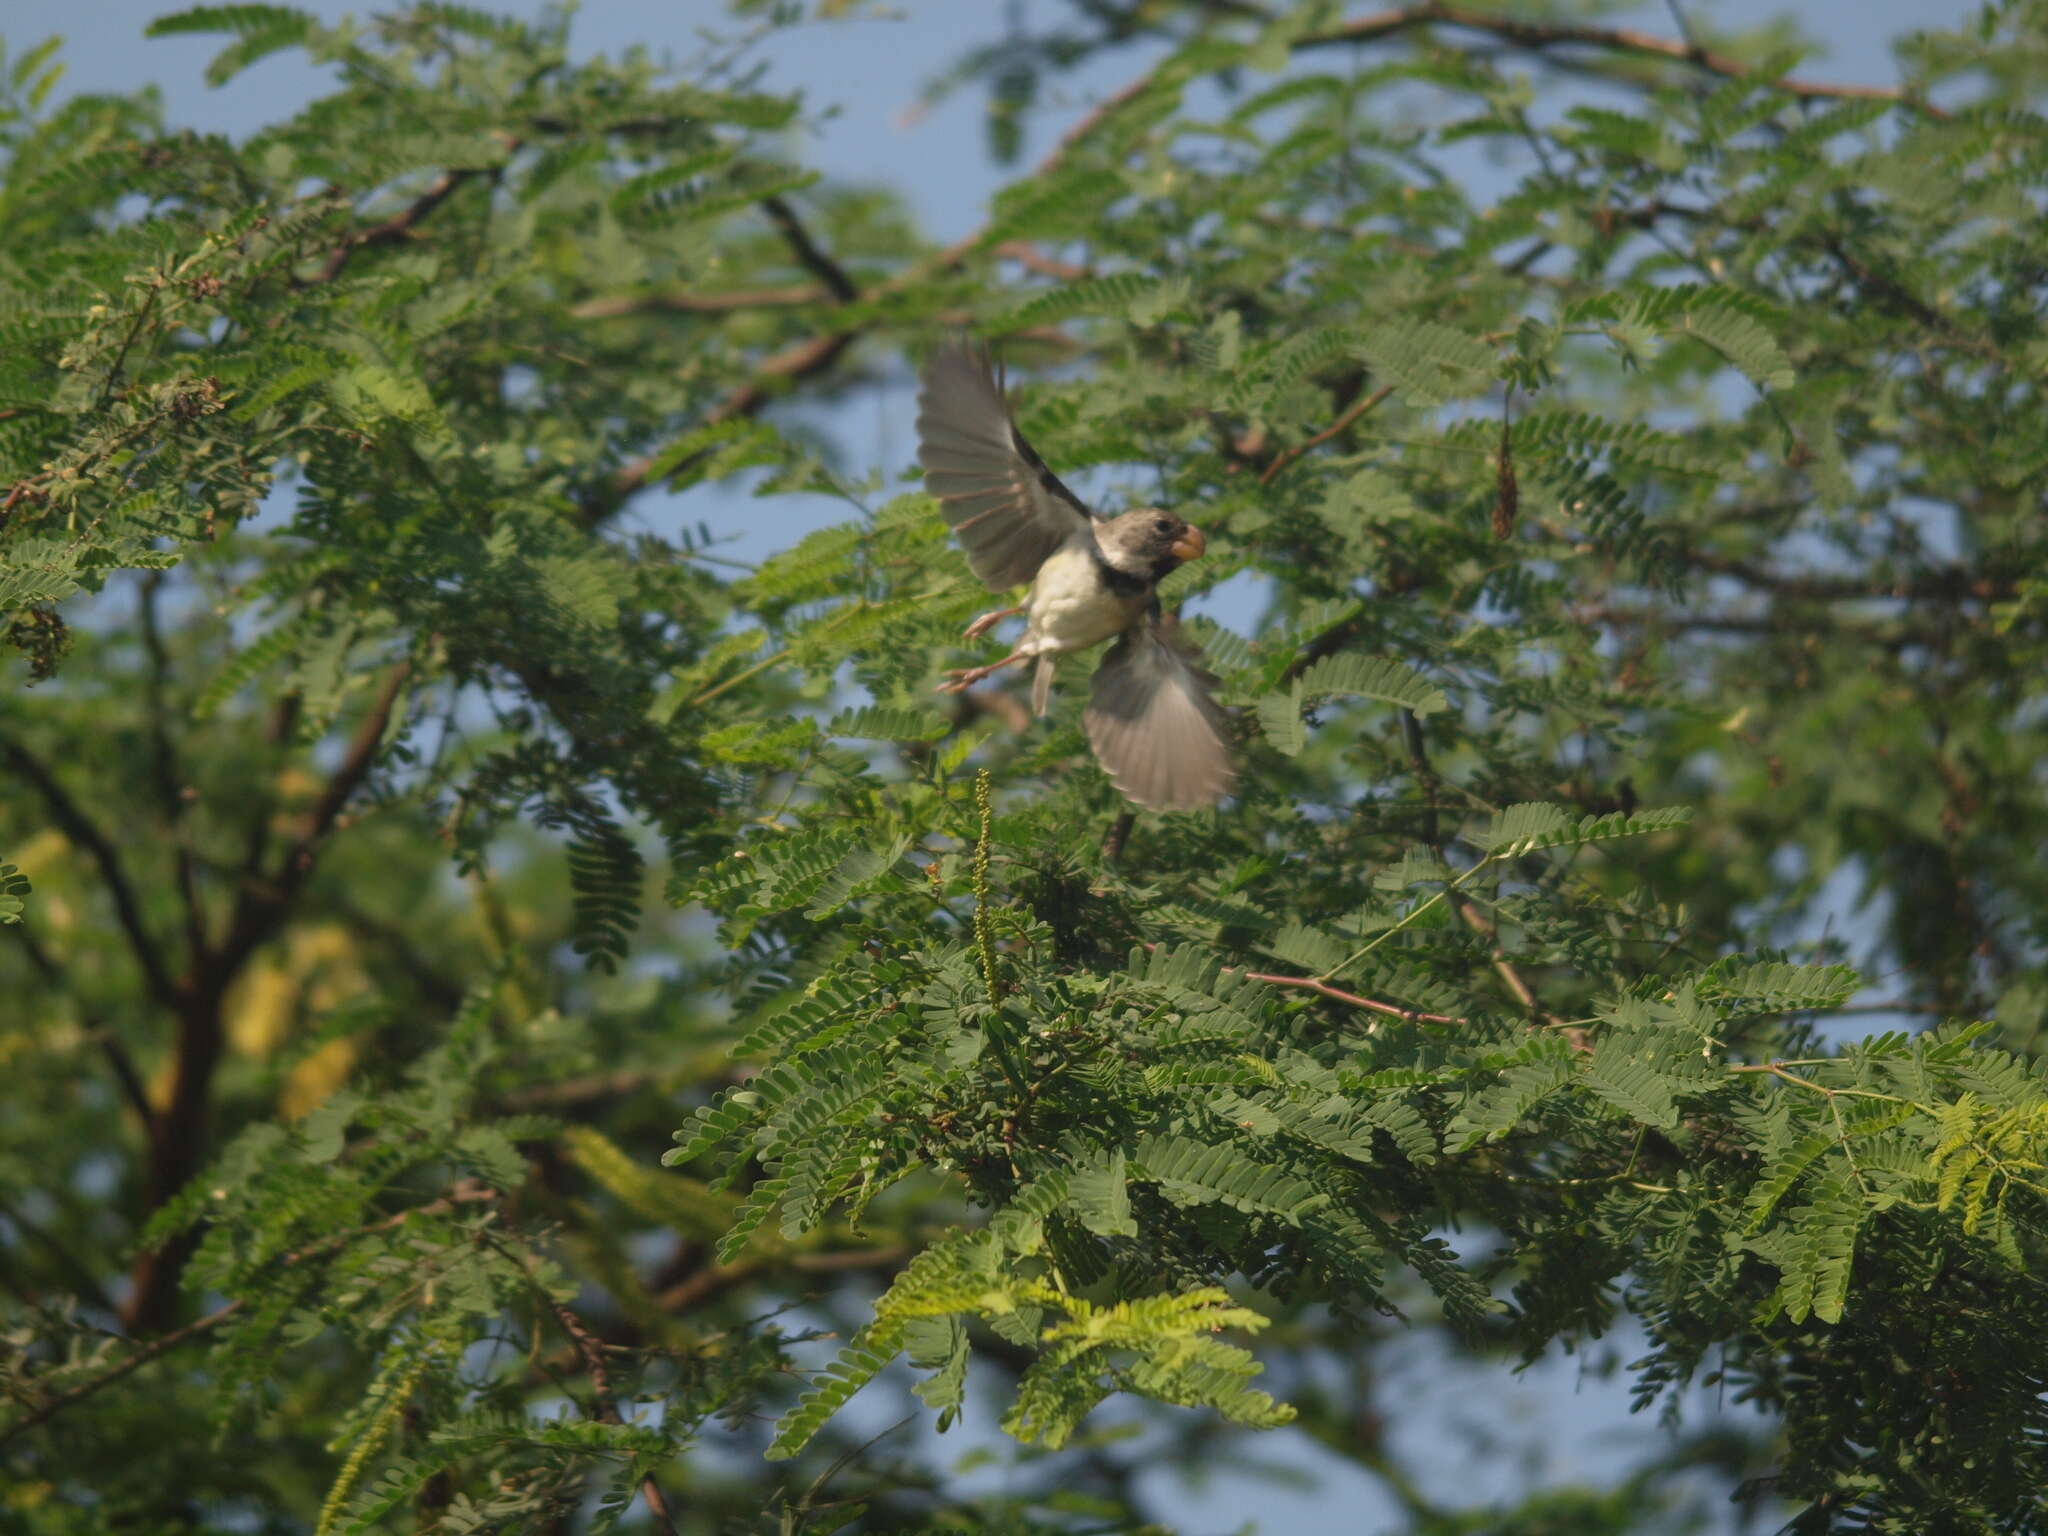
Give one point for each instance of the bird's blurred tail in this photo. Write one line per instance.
(1041, 685)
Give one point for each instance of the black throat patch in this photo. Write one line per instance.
(1122, 583)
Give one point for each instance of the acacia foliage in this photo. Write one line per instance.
(1592, 522)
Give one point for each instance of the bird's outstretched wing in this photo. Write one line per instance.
(1007, 508)
(1160, 736)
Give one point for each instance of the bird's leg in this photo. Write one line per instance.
(989, 621)
(960, 679)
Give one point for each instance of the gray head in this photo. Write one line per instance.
(1147, 542)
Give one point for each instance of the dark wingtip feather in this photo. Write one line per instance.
(1159, 736)
(1007, 510)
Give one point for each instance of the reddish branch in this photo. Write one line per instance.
(1540, 36)
(590, 1350)
(399, 226)
(1357, 409)
(1032, 259)
(1337, 994)
(697, 302)
(1322, 988)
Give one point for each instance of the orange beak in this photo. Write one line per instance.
(1189, 545)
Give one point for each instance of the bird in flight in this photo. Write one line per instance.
(1154, 727)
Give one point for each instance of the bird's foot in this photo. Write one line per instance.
(988, 621)
(960, 679)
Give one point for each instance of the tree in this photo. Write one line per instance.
(1638, 550)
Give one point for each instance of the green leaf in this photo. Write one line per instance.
(855, 874)
(1629, 1077)
(13, 887)
(1373, 677)
(1780, 1175)
(939, 1345)
(1112, 295)
(1281, 723)
(1431, 363)
(1190, 1172)
(857, 1365)
(875, 722)
(1532, 826)
(1759, 986)
(1500, 1107)
(1099, 1196)
(1744, 341)
(1404, 1125)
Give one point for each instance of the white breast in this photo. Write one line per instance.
(1070, 609)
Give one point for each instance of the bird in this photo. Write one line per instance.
(1151, 719)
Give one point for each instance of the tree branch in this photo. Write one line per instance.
(690, 302)
(1338, 995)
(178, 1135)
(123, 1065)
(158, 1347)
(1946, 583)
(1357, 409)
(262, 905)
(400, 225)
(1539, 36)
(804, 359)
(76, 826)
(1888, 635)
(1032, 259)
(590, 1349)
(712, 1280)
(170, 790)
(809, 254)
(1118, 834)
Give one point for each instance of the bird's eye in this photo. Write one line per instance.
(1162, 525)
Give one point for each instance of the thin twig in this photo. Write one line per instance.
(739, 677)
(805, 359)
(116, 1052)
(400, 225)
(604, 1400)
(128, 341)
(697, 302)
(198, 1328)
(170, 790)
(809, 254)
(1357, 409)
(81, 830)
(1118, 834)
(1503, 967)
(1538, 36)
(1322, 988)
(1032, 259)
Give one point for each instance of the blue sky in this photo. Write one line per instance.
(1469, 1433)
